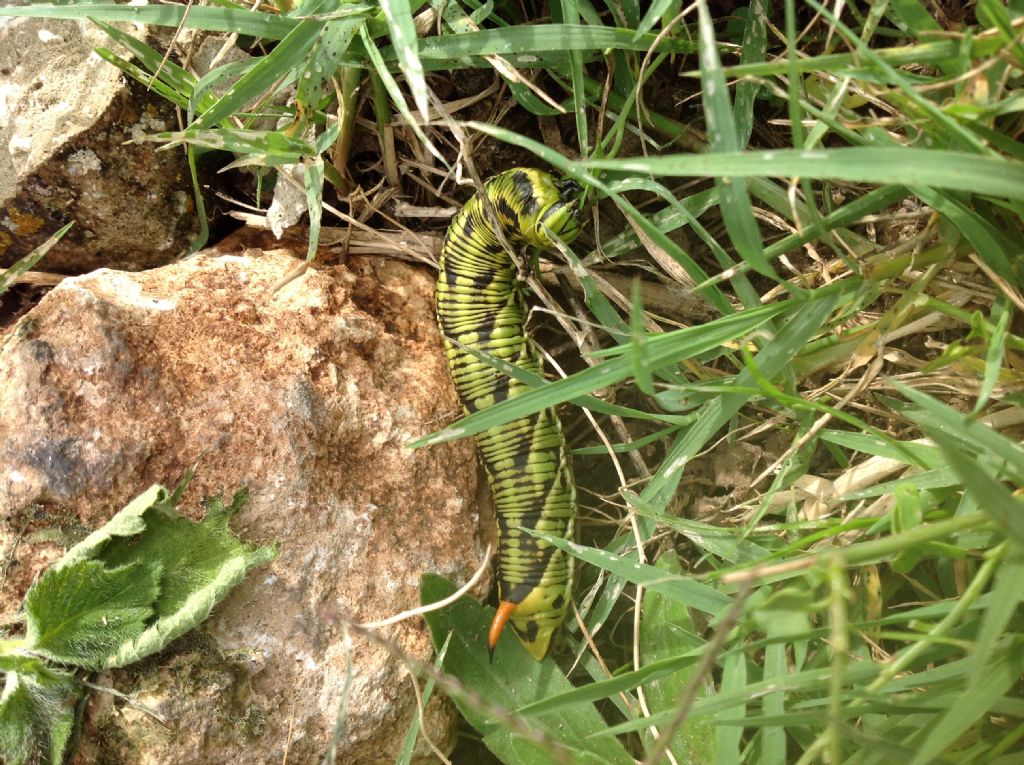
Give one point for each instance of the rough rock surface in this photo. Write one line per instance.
(116, 381)
(65, 115)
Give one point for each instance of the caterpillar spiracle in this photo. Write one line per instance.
(480, 306)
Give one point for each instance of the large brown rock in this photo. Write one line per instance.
(308, 396)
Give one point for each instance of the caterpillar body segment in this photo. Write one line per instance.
(480, 306)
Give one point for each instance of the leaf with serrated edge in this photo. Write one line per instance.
(80, 614)
(36, 719)
(201, 563)
(126, 523)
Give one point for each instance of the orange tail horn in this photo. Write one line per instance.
(501, 617)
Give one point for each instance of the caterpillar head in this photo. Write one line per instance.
(559, 214)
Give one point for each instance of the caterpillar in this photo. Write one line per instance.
(480, 306)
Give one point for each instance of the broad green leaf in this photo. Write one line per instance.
(82, 613)
(511, 680)
(36, 719)
(94, 607)
(667, 631)
(14, 660)
(128, 522)
(200, 563)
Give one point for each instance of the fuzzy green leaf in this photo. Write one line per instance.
(80, 614)
(194, 564)
(36, 718)
(200, 564)
(126, 523)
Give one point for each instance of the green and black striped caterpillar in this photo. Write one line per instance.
(480, 306)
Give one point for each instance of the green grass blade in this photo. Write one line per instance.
(234, 19)
(402, 32)
(770, 360)
(666, 631)
(755, 46)
(1003, 607)
(668, 348)
(1001, 675)
(405, 755)
(608, 688)
(531, 41)
(940, 168)
(276, 67)
(313, 181)
(718, 114)
(397, 97)
(1006, 511)
(996, 349)
(728, 738)
(962, 430)
(10, 276)
(682, 590)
